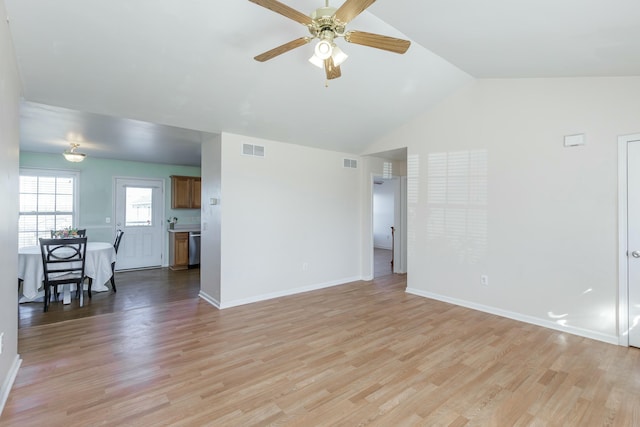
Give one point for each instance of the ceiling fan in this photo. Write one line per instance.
(327, 24)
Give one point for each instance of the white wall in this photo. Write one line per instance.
(10, 89)
(290, 220)
(210, 216)
(492, 190)
(383, 213)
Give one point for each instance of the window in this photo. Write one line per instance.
(47, 202)
(139, 201)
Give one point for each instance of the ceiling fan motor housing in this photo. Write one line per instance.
(323, 12)
(324, 21)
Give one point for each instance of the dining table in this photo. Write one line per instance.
(99, 257)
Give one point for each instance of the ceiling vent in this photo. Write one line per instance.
(253, 150)
(350, 163)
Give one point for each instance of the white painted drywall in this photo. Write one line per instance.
(290, 221)
(10, 90)
(492, 190)
(210, 216)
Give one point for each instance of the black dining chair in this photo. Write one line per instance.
(116, 245)
(63, 261)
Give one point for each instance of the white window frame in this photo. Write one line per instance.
(75, 214)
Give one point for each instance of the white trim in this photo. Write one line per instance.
(8, 381)
(50, 171)
(623, 273)
(288, 292)
(208, 298)
(370, 246)
(611, 339)
(402, 258)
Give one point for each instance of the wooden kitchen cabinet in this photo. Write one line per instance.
(196, 190)
(185, 192)
(179, 250)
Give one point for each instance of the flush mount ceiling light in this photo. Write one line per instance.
(72, 156)
(326, 24)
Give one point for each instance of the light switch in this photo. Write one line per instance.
(107, 220)
(213, 201)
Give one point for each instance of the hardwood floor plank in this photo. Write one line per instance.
(365, 353)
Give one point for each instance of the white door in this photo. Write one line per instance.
(633, 240)
(140, 214)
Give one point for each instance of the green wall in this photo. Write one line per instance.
(96, 197)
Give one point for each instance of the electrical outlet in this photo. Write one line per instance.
(484, 280)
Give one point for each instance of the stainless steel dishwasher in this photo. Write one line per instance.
(194, 249)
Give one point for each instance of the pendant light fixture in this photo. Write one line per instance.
(72, 155)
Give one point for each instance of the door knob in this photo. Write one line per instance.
(635, 254)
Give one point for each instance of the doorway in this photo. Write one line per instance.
(383, 225)
(139, 212)
(629, 238)
(388, 227)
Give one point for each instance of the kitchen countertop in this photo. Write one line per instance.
(185, 229)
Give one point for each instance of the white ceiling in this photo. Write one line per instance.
(103, 67)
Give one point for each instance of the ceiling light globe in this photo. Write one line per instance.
(338, 56)
(72, 155)
(316, 61)
(323, 49)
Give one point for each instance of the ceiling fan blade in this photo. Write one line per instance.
(270, 54)
(284, 10)
(378, 41)
(350, 9)
(332, 70)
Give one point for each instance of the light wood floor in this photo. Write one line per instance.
(364, 353)
(382, 262)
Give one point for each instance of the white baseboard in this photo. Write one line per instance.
(8, 381)
(287, 292)
(208, 298)
(610, 339)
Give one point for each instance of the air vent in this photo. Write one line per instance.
(350, 163)
(253, 150)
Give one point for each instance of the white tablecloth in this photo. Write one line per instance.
(97, 266)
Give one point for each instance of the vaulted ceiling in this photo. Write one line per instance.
(136, 78)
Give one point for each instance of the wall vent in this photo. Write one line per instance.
(350, 163)
(253, 150)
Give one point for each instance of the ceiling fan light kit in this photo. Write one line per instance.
(338, 55)
(323, 49)
(326, 24)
